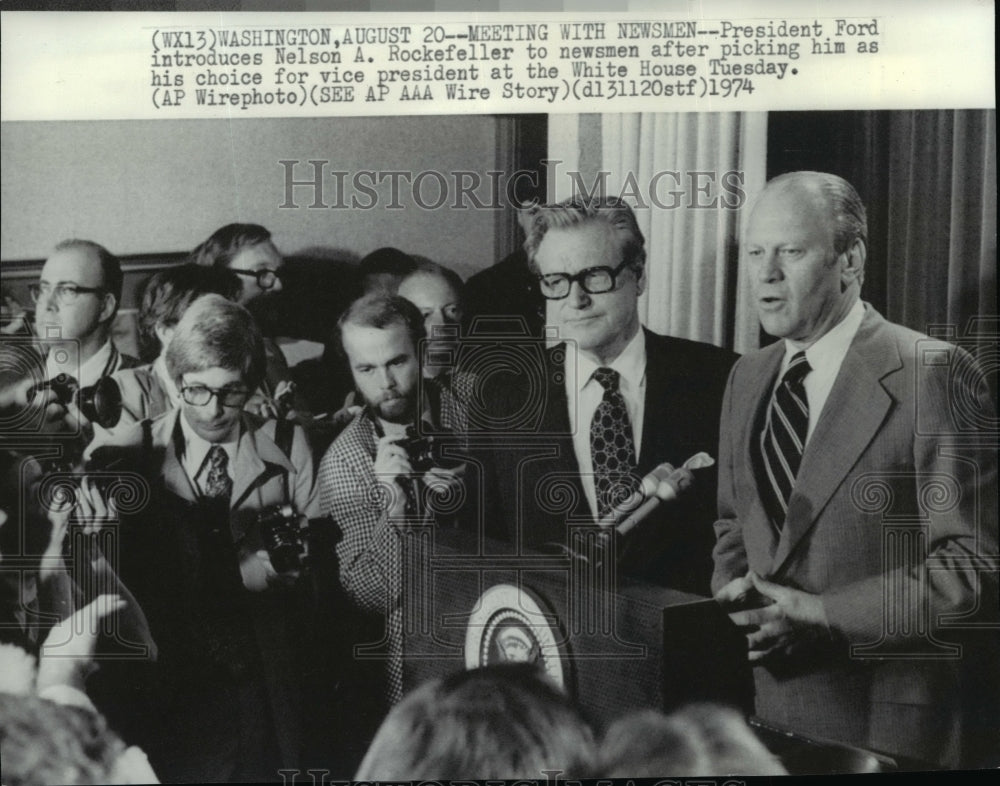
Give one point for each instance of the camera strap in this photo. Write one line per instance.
(284, 433)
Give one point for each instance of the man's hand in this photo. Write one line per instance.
(259, 574)
(791, 618)
(391, 464)
(346, 413)
(56, 417)
(68, 652)
(92, 511)
(735, 593)
(58, 513)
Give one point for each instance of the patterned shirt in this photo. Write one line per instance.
(370, 549)
(368, 552)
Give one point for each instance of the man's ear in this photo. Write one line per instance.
(163, 334)
(640, 278)
(108, 308)
(852, 264)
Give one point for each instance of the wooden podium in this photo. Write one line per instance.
(616, 645)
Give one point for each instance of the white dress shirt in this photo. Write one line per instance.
(825, 357)
(584, 394)
(196, 452)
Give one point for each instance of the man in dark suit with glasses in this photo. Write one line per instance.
(616, 401)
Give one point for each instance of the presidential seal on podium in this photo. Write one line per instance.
(509, 625)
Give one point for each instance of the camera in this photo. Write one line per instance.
(421, 451)
(100, 403)
(283, 532)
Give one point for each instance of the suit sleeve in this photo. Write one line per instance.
(729, 555)
(368, 551)
(306, 491)
(954, 475)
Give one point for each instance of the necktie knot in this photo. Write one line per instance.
(607, 378)
(797, 369)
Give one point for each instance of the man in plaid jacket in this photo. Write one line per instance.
(375, 480)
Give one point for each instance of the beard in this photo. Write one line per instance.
(395, 409)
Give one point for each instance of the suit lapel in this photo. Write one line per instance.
(754, 400)
(656, 427)
(853, 413)
(175, 479)
(258, 459)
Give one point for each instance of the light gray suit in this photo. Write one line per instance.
(892, 513)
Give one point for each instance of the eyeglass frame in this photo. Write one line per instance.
(580, 277)
(219, 393)
(259, 275)
(58, 292)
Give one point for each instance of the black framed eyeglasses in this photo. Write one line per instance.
(594, 280)
(63, 294)
(266, 278)
(200, 395)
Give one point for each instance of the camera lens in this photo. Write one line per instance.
(102, 403)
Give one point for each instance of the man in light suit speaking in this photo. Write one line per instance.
(857, 529)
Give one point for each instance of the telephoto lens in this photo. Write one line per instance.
(100, 403)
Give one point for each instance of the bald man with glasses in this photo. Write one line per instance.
(76, 299)
(617, 400)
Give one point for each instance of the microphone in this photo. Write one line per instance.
(663, 484)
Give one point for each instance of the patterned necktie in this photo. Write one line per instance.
(784, 437)
(612, 447)
(218, 484)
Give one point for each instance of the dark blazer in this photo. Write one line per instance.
(531, 478)
(887, 478)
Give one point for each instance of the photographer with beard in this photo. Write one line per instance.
(377, 475)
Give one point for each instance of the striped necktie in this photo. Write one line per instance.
(784, 437)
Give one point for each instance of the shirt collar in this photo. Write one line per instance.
(831, 347)
(630, 363)
(196, 448)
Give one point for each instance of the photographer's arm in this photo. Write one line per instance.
(367, 511)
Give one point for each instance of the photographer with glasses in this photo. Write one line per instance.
(76, 298)
(247, 251)
(223, 561)
(618, 400)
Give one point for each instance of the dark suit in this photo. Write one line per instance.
(532, 480)
(884, 477)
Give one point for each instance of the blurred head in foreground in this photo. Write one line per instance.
(505, 721)
(43, 742)
(698, 740)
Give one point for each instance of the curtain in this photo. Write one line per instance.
(941, 208)
(694, 287)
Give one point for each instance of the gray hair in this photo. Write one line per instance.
(579, 211)
(846, 208)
